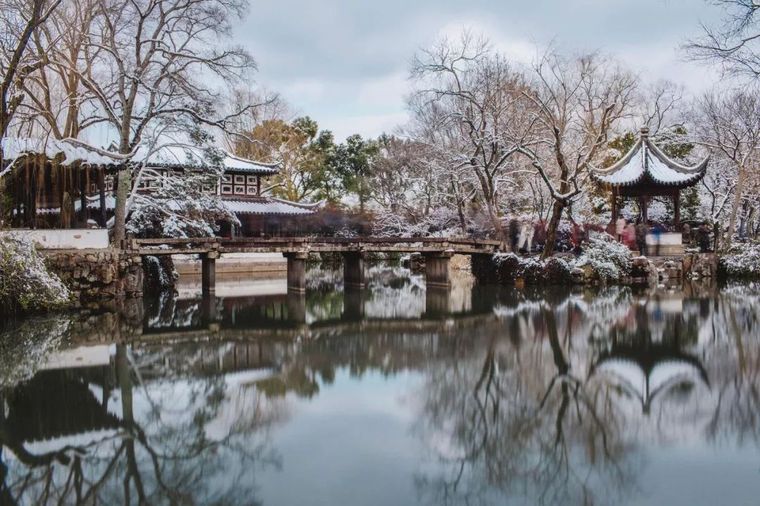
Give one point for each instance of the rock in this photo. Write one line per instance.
(578, 275)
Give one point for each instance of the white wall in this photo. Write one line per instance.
(64, 238)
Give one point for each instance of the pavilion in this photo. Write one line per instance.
(645, 172)
(65, 184)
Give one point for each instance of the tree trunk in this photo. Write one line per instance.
(551, 230)
(120, 217)
(735, 206)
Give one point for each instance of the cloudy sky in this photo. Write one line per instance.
(345, 62)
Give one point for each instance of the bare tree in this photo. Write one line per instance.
(149, 65)
(735, 43)
(577, 104)
(20, 19)
(729, 125)
(57, 103)
(470, 95)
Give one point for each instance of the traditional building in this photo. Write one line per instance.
(66, 184)
(242, 189)
(645, 172)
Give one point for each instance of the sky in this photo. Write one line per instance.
(346, 63)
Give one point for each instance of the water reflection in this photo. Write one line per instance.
(395, 395)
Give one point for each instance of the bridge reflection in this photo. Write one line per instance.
(500, 374)
(170, 314)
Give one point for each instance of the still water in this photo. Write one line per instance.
(390, 395)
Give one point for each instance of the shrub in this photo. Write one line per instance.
(609, 259)
(742, 260)
(26, 283)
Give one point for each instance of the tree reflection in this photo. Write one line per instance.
(149, 441)
(522, 420)
(533, 397)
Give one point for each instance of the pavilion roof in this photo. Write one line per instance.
(646, 163)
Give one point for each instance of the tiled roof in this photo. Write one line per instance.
(268, 206)
(189, 156)
(71, 151)
(646, 160)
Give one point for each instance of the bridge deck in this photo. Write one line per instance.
(145, 247)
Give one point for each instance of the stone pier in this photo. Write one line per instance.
(208, 272)
(297, 271)
(437, 270)
(353, 269)
(437, 302)
(353, 303)
(296, 304)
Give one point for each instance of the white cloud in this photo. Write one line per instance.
(368, 125)
(384, 91)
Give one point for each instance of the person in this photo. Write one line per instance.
(656, 230)
(620, 227)
(686, 234)
(514, 232)
(703, 236)
(539, 235)
(578, 238)
(526, 237)
(629, 235)
(641, 236)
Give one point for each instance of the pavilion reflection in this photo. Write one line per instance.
(645, 355)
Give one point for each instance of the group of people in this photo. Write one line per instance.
(634, 235)
(526, 236)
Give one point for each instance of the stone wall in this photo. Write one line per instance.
(700, 265)
(512, 270)
(97, 277)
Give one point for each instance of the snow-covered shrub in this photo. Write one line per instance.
(160, 273)
(24, 346)
(556, 271)
(508, 267)
(609, 259)
(742, 260)
(26, 283)
(439, 222)
(180, 204)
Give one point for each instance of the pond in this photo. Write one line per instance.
(388, 395)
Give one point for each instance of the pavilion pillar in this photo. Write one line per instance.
(102, 190)
(644, 204)
(437, 270)
(297, 271)
(353, 269)
(677, 210)
(83, 177)
(613, 216)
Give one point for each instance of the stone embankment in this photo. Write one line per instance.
(637, 271)
(97, 277)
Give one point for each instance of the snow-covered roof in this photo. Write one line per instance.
(71, 150)
(647, 161)
(259, 205)
(180, 156)
(268, 205)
